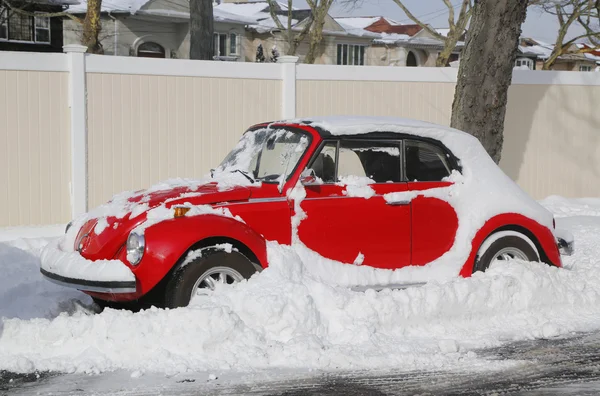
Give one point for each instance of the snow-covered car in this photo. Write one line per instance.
(412, 201)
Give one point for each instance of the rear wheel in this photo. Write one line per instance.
(204, 273)
(505, 246)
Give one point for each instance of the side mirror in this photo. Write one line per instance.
(308, 177)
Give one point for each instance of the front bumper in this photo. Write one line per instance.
(109, 287)
(565, 241)
(70, 269)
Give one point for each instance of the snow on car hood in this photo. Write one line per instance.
(143, 208)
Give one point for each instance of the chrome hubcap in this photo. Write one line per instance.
(210, 279)
(511, 253)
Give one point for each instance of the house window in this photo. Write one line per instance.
(151, 50)
(585, 68)
(524, 62)
(42, 29)
(349, 54)
(3, 23)
(232, 44)
(18, 27)
(220, 44)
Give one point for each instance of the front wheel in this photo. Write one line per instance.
(203, 273)
(505, 247)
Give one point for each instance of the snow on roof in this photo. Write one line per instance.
(244, 9)
(58, 2)
(535, 47)
(130, 6)
(357, 22)
(394, 38)
(135, 7)
(443, 31)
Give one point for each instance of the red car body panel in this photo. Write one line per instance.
(337, 227)
(340, 227)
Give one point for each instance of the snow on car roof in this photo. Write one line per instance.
(356, 125)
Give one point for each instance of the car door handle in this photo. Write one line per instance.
(403, 202)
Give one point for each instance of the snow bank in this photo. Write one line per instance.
(24, 293)
(287, 317)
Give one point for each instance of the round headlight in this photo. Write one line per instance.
(135, 247)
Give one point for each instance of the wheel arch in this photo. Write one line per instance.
(220, 240)
(527, 233)
(540, 236)
(169, 241)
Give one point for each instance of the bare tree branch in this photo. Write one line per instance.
(570, 13)
(456, 27)
(20, 11)
(416, 20)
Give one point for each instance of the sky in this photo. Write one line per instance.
(538, 25)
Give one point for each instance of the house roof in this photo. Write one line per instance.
(116, 6)
(136, 7)
(56, 2)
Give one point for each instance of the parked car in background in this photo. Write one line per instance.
(423, 200)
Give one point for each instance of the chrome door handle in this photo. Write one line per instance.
(399, 203)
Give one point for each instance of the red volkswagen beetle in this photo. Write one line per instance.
(416, 201)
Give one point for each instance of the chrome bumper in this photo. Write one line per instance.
(565, 241)
(110, 287)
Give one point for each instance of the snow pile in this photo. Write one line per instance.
(286, 317)
(24, 293)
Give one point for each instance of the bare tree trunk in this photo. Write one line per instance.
(319, 13)
(449, 46)
(485, 71)
(201, 29)
(92, 26)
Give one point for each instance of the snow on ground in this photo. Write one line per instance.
(287, 318)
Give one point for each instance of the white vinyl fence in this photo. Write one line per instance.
(77, 128)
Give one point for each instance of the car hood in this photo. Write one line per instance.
(107, 227)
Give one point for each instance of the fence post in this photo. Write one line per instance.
(288, 86)
(78, 105)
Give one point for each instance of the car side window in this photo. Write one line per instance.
(323, 165)
(378, 160)
(425, 162)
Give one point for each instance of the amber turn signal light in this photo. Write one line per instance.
(180, 211)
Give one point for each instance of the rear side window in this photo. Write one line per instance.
(379, 161)
(425, 162)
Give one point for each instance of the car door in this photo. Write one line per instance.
(348, 218)
(434, 221)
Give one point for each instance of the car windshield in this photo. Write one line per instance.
(266, 154)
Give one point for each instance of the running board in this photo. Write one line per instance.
(393, 286)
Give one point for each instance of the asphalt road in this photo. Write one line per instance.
(567, 366)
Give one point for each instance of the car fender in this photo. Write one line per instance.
(540, 235)
(168, 241)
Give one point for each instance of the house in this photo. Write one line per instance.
(340, 45)
(19, 32)
(533, 53)
(399, 44)
(246, 31)
(157, 29)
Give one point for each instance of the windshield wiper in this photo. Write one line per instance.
(245, 174)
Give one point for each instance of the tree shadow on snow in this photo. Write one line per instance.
(25, 294)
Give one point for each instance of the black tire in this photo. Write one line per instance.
(102, 304)
(510, 241)
(178, 290)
